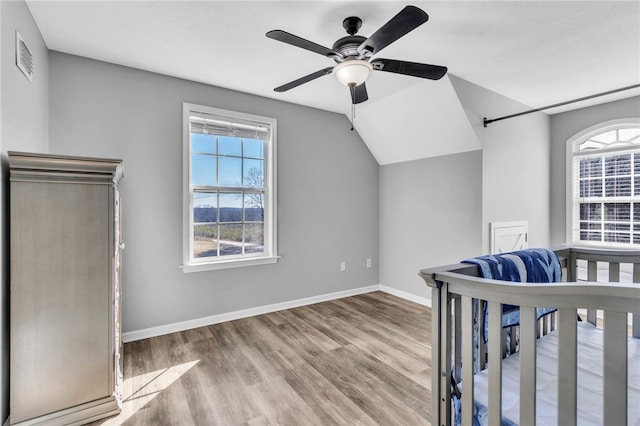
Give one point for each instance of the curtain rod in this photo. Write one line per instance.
(487, 121)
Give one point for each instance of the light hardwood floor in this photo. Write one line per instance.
(358, 360)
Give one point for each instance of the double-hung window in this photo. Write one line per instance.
(604, 184)
(229, 175)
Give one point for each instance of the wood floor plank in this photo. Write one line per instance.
(361, 360)
(329, 403)
(372, 343)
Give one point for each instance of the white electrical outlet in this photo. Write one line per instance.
(368, 262)
(343, 266)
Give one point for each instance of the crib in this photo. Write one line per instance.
(518, 389)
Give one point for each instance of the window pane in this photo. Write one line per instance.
(636, 163)
(590, 236)
(205, 240)
(253, 148)
(590, 211)
(591, 145)
(230, 207)
(628, 134)
(203, 170)
(591, 167)
(613, 237)
(203, 143)
(617, 187)
(636, 212)
(253, 207)
(636, 238)
(230, 173)
(617, 212)
(591, 225)
(254, 238)
(607, 137)
(617, 165)
(229, 146)
(617, 227)
(253, 173)
(205, 207)
(230, 239)
(591, 187)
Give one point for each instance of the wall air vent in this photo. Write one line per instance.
(24, 58)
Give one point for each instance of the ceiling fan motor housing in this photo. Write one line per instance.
(348, 46)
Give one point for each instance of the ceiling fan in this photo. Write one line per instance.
(353, 53)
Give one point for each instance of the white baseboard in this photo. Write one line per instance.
(131, 336)
(404, 295)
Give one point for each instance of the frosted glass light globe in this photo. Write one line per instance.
(352, 72)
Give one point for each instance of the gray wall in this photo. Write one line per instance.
(327, 191)
(430, 215)
(23, 126)
(563, 127)
(437, 211)
(515, 161)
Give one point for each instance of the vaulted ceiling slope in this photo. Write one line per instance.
(535, 52)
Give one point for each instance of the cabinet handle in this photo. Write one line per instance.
(121, 246)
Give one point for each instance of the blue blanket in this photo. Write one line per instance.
(536, 265)
(527, 266)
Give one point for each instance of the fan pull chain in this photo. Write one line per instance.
(353, 115)
(352, 89)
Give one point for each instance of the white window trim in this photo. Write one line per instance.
(572, 143)
(270, 221)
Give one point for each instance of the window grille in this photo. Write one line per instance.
(606, 187)
(229, 189)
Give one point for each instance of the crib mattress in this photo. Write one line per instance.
(590, 380)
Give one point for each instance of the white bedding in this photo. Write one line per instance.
(590, 382)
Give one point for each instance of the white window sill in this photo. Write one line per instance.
(227, 264)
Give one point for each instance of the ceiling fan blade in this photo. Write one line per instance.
(305, 79)
(404, 22)
(359, 94)
(294, 40)
(432, 72)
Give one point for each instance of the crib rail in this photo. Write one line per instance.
(454, 289)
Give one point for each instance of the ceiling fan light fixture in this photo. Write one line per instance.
(353, 72)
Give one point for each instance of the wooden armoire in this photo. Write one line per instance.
(65, 336)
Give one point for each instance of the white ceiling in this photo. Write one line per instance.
(536, 52)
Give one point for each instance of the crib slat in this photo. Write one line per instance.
(527, 365)
(513, 341)
(457, 350)
(495, 363)
(482, 350)
(545, 325)
(436, 364)
(444, 391)
(636, 317)
(592, 275)
(567, 366)
(467, 361)
(615, 368)
(614, 272)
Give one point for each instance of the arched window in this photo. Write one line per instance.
(604, 185)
